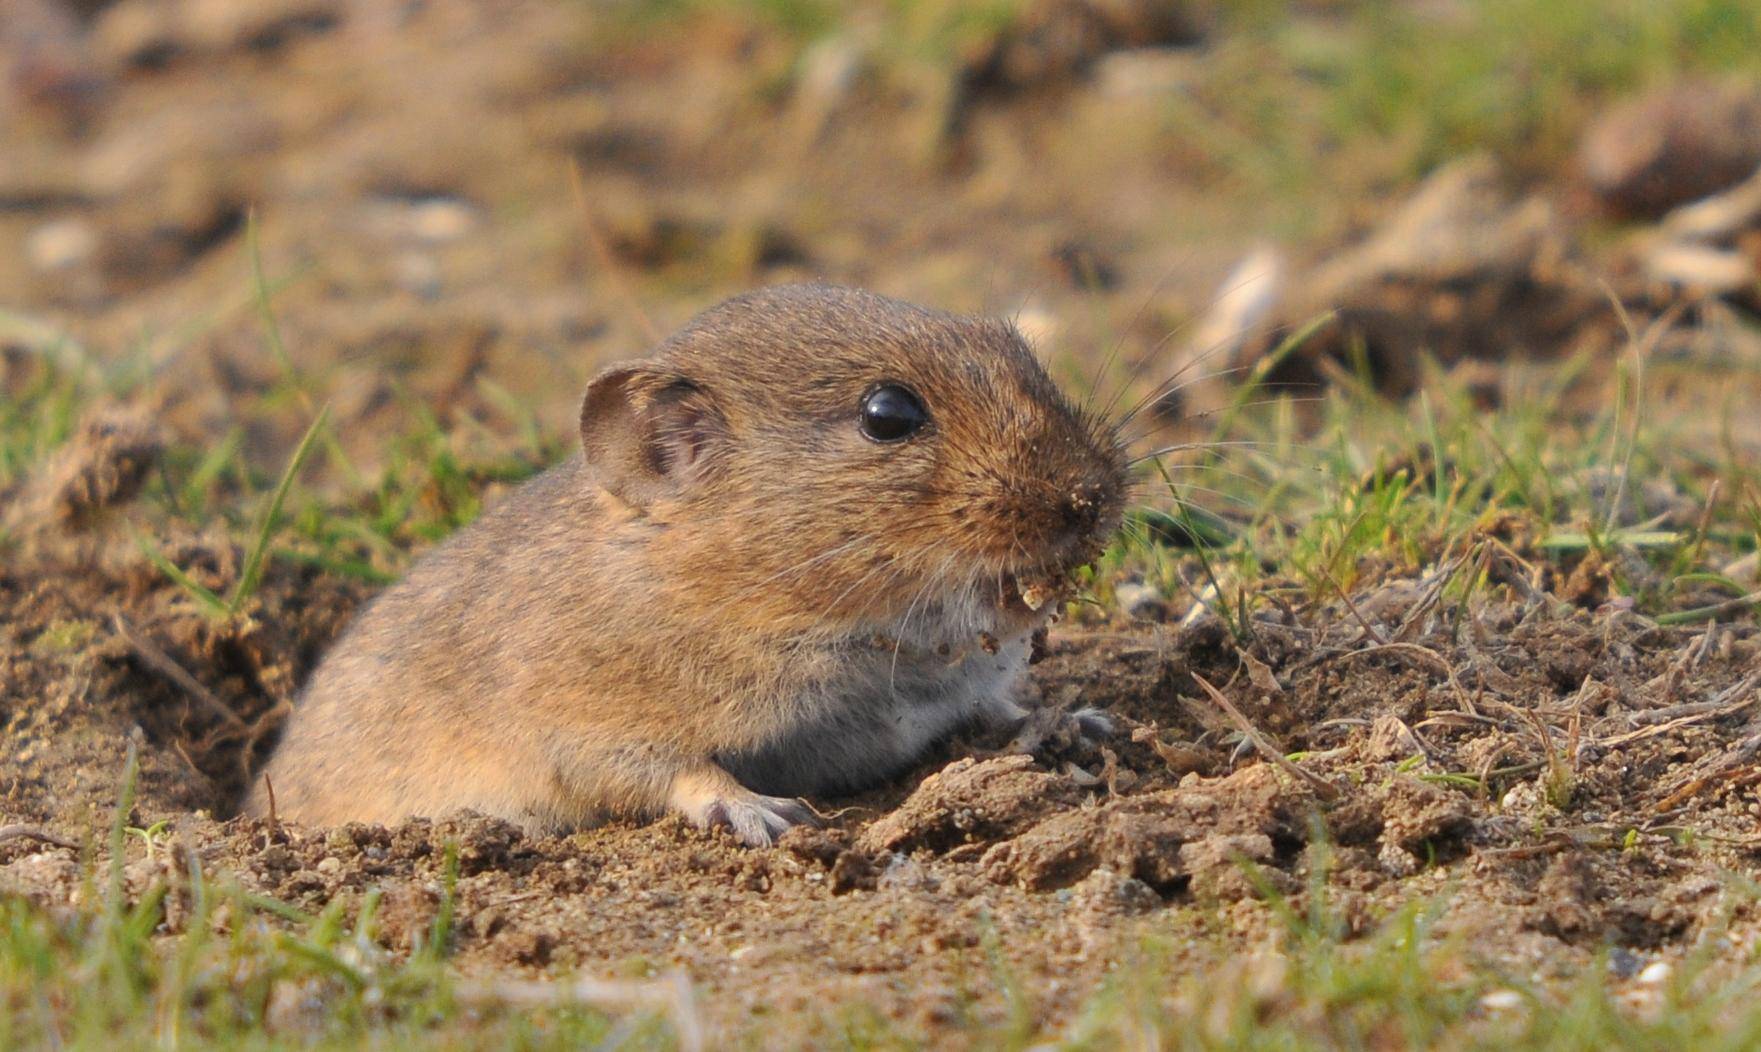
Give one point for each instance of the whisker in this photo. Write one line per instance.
(905, 625)
(1094, 383)
(1155, 351)
(798, 569)
(1207, 446)
(893, 568)
(1147, 492)
(1159, 392)
(1233, 498)
(1169, 388)
(806, 564)
(1209, 414)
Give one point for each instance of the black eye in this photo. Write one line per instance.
(891, 412)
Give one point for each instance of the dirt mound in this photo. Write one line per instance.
(97, 653)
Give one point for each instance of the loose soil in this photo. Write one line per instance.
(1063, 857)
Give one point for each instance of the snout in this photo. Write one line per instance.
(1080, 510)
(1062, 525)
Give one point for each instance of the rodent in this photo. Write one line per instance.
(807, 538)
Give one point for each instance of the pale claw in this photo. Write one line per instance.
(1092, 724)
(1043, 727)
(755, 820)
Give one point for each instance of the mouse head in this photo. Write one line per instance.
(852, 460)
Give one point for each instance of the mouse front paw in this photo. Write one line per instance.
(1091, 723)
(757, 820)
(711, 798)
(1052, 729)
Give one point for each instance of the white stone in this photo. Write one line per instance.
(61, 244)
(1655, 974)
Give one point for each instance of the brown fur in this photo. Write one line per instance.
(701, 591)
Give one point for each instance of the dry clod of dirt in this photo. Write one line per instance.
(152, 34)
(1711, 246)
(1672, 145)
(1417, 817)
(1106, 892)
(970, 802)
(1581, 896)
(1217, 866)
(1152, 837)
(1462, 267)
(50, 878)
(103, 466)
(1391, 740)
(1055, 39)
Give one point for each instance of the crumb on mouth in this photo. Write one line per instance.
(1030, 594)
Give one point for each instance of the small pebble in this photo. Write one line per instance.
(1656, 973)
(1502, 1001)
(419, 274)
(1140, 601)
(441, 219)
(1397, 861)
(61, 245)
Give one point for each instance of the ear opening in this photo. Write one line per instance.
(648, 434)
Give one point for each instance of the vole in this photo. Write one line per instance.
(805, 540)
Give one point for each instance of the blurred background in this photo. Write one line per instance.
(461, 207)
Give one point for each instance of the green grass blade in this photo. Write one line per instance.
(264, 295)
(208, 471)
(1731, 607)
(125, 803)
(210, 602)
(1263, 368)
(260, 290)
(440, 934)
(255, 561)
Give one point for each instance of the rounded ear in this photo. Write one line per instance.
(648, 433)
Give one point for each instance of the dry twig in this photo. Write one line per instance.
(159, 661)
(1324, 789)
(1357, 615)
(1732, 763)
(1425, 654)
(16, 832)
(1434, 586)
(1700, 714)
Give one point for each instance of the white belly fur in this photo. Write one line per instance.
(882, 716)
